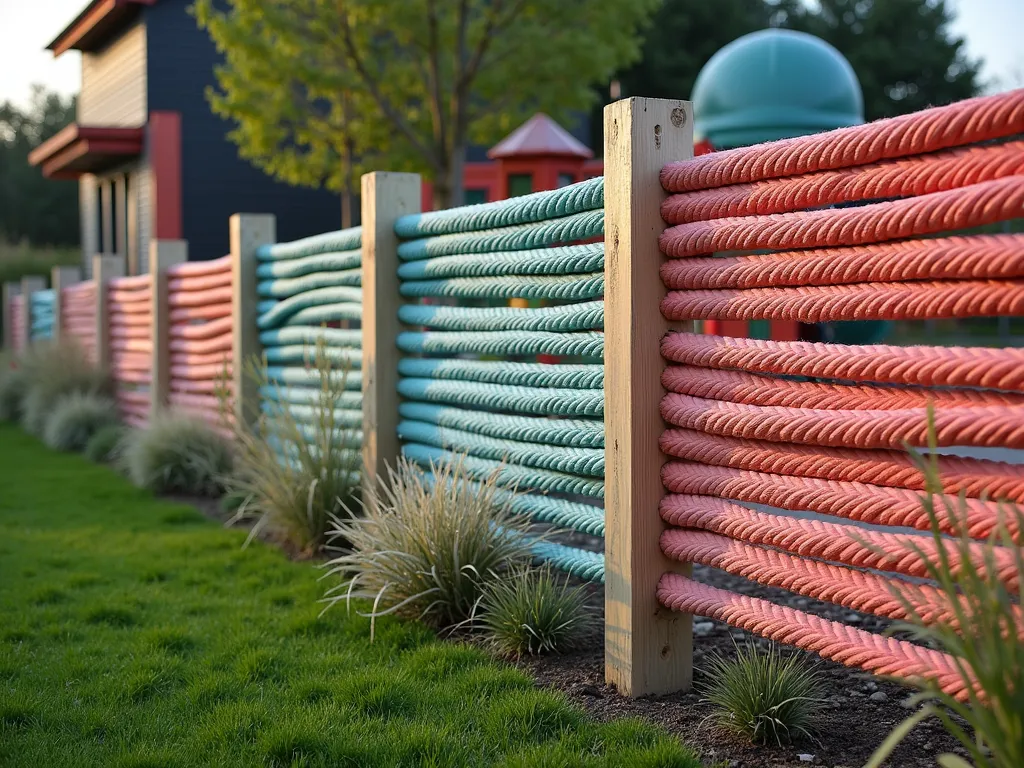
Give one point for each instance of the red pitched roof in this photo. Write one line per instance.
(540, 135)
(82, 149)
(95, 25)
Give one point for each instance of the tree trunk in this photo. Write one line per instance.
(455, 173)
(347, 191)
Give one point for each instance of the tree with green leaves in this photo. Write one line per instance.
(320, 91)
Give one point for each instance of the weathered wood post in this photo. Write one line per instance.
(29, 285)
(11, 289)
(647, 648)
(61, 278)
(386, 198)
(104, 269)
(248, 232)
(162, 255)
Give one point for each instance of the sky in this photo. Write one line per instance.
(988, 26)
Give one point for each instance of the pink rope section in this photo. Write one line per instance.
(130, 332)
(194, 268)
(189, 298)
(838, 642)
(131, 345)
(912, 176)
(849, 500)
(845, 544)
(200, 282)
(199, 360)
(961, 258)
(835, 584)
(189, 314)
(199, 386)
(202, 346)
(134, 283)
(894, 469)
(966, 122)
(206, 330)
(998, 426)
(753, 389)
(193, 372)
(863, 301)
(978, 204)
(928, 366)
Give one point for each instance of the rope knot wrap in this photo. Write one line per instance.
(824, 428)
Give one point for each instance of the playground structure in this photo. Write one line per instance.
(645, 430)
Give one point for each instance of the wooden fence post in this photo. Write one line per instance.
(11, 289)
(29, 285)
(104, 269)
(61, 278)
(648, 649)
(386, 198)
(248, 232)
(162, 254)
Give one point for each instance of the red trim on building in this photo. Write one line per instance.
(80, 149)
(95, 25)
(164, 149)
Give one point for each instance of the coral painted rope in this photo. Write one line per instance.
(966, 122)
(832, 640)
(852, 501)
(907, 177)
(983, 203)
(894, 469)
(862, 301)
(835, 584)
(846, 544)
(993, 426)
(929, 366)
(963, 258)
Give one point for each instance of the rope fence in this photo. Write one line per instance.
(129, 317)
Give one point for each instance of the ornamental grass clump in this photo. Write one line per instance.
(104, 446)
(53, 370)
(177, 454)
(532, 611)
(299, 465)
(76, 418)
(985, 635)
(13, 388)
(763, 696)
(428, 544)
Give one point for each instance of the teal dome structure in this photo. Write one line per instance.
(774, 84)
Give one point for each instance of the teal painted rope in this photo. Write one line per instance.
(309, 395)
(578, 226)
(308, 414)
(309, 377)
(515, 343)
(574, 376)
(506, 475)
(333, 337)
(328, 242)
(320, 262)
(304, 353)
(276, 313)
(574, 515)
(349, 449)
(44, 296)
(588, 462)
(584, 196)
(282, 288)
(579, 562)
(560, 260)
(501, 397)
(570, 317)
(575, 433)
(555, 287)
(325, 313)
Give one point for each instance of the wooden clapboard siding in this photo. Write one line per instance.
(114, 82)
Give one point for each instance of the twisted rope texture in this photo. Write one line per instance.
(513, 343)
(555, 287)
(503, 397)
(560, 319)
(560, 260)
(580, 377)
(329, 242)
(572, 433)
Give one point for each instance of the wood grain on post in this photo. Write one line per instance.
(162, 254)
(61, 278)
(104, 269)
(648, 649)
(386, 198)
(10, 290)
(29, 285)
(248, 232)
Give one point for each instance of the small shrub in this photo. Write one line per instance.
(531, 611)
(428, 544)
(13, 388)
(177, 454)
(299, 465)
(104, 446)
(76, 418)
(763, 696)
(986, 636)
(52, 371)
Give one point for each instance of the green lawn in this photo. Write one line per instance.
(133, 632)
